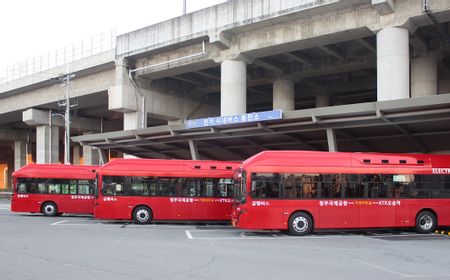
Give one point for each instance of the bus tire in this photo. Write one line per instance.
(142, 215)
(49, 209)
(426, 222)
(300, 223)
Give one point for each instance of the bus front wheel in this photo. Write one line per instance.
(425, 222)
(142, 215)
(49, 209)
(300, 223)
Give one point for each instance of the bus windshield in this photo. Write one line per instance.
(240, 186)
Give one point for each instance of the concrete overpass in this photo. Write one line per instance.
(360, 75)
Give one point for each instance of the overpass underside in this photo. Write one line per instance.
(388, 126)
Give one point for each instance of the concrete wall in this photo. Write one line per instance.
(232, 14)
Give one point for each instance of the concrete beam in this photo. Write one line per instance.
(366, 44)
(35, 117)
(81, 86)
(13, 134)
(383, 7)
(220, 39)
(207, 75)
(333, 51)
(277, 70)
(300, 58)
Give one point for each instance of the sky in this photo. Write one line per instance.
(30, 28)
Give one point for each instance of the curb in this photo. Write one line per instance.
(442, 232)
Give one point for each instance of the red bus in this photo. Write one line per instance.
(54, 189)
(300, 191)
(151, 189)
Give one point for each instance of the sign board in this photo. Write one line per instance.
(244, 118)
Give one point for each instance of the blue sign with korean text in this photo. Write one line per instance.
(244, 118)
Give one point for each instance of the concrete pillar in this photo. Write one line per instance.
(134, 120)
(90, 155)
(20, 154)
(126, 98)
(392, 64)
(47, 144)
(194, 151)
(322, 100)
(233, 88)
(284, 95)
(103, 156)
(76, 154)
(423, 76)
(9, 180)
(121, 74)
(331, 138)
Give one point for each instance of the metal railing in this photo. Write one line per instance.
(85, 48)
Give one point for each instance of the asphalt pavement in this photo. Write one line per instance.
(79, 247)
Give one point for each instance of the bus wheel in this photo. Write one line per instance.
(300, 224)
(425, 222)
(142, 215)
(49, 209)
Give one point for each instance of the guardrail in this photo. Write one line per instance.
(85, 48)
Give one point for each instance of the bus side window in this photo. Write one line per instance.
(266, 185)
(446, 186)
(85, 187)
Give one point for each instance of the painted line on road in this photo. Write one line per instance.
(188, 234)
(256, 238)
(242, 236)
(59, 223)
(407, 235)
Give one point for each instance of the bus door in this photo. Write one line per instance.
(266, 203)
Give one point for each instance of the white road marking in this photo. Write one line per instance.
(243, 236)
(59, 223)
(405, 235)
(188, 234)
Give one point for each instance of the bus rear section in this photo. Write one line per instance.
(54, 189)
(302, 191)
(151, 189)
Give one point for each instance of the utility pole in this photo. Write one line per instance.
(66, 80)
(184, 7)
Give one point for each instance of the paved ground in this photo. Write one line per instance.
(77, 247)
